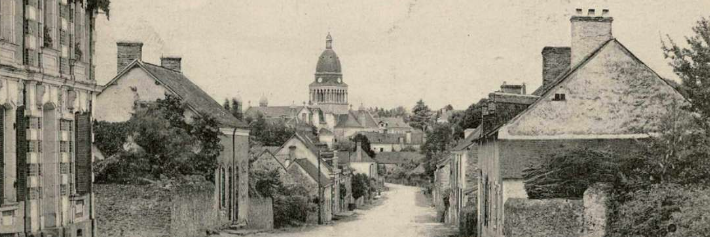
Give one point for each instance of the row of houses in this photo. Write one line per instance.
(595, 94)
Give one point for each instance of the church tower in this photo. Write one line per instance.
(328, 91)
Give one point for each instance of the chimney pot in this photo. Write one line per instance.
(172, 63)
(590, 12)
(605, 12)
(126, 52)
(588, 33)
(579, 11)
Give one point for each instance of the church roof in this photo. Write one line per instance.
(328, 62)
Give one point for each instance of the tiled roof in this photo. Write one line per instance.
(398, 157)
(365, 158)
(195, 98)
(312, 171)
(352, 120)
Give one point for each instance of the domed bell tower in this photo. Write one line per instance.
(328, 91)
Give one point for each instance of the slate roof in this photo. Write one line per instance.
(468, 141)
(195, 98)
(365, 158)
(393, 122)
(312, 171)
(351, 120)
(398, 157)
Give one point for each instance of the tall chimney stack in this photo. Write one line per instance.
(555, 61)
(127, 52)
(589, 32)
(172, 63)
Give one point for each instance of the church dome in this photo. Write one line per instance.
(328, 62)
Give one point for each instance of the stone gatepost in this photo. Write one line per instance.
(596, 210)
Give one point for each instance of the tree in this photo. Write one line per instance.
(421, 115)
(364, 144)
(269, 134)
(469, 118)
(438, 141)
(692, 65)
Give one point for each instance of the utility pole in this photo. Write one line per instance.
(320, 192)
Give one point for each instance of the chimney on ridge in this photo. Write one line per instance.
(291, 155)
(555, 61)
(127, 52)
(589, 32)
(172, 63)
(359, 152)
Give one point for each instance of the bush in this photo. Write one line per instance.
(360, 185)
(291, 207)
(568, 175)
(662, 210)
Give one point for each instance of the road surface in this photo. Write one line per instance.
(405, 212)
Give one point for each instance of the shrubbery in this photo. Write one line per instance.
(291, 203)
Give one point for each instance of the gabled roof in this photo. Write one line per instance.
(393, 122)
(545, 90)
(351, 120)
(312, 171)
(195, 98)
(269, 151)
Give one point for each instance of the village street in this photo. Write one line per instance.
(404, 212)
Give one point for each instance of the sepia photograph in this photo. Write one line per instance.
(369, 118)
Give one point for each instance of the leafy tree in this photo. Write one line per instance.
(364, 144)
(94, 5)
(421, 116)
(360, 185)
(269, 134)
(692, 65)
(110, 137)
(469, 118)
(438, 141)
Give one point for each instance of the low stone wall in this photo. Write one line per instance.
(261, 214)
(193, 211)
(543, 218)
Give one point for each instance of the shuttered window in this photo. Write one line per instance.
(7, 21)
(21, 137)
(83, 153)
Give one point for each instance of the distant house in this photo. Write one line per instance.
(265, 160)
(389, 142)
(362, 163)
(596, 94)
(463, 175)
(391, 160)
(393, 125)
(138, 81)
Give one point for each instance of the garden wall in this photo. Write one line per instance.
(156, 211)
(261, 214)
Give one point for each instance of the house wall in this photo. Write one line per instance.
(366, 168)
(301, 152)
(115, 103)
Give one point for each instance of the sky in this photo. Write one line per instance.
(392, 53)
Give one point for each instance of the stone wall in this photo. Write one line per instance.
(560, 217)
(261, 214)
(543, 218)
(156, 211)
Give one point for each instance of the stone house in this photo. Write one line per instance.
(394, 142)
(362, 163)
(463, 175)
(264, 159)
(139, 81)
(595, 94)
(319, 185)
(394, 125)
(47, 102)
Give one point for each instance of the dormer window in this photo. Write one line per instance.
(559, 97)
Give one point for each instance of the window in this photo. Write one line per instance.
(8, 217)
(65, 125)
(222, 190)
(34, 170)
(79, 209)
(559, 97)
(79, 233)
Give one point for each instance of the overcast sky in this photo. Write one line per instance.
(392, 52)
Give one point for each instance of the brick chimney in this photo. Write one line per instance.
(555, 61)
(127, 52)
(589, 32)
(172, 63)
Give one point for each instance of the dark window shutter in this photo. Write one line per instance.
(83, 153)
(21, 139)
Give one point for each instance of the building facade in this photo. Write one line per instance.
(138, 82)
(607, 99)
(47, 101)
